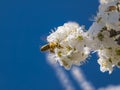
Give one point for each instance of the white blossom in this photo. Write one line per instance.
(105, 32)
(73, 43)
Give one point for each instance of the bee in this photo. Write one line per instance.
(50, 46)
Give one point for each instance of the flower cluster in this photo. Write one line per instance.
(105, 32)
(72, 44)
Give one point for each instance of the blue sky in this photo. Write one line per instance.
(24, 25)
